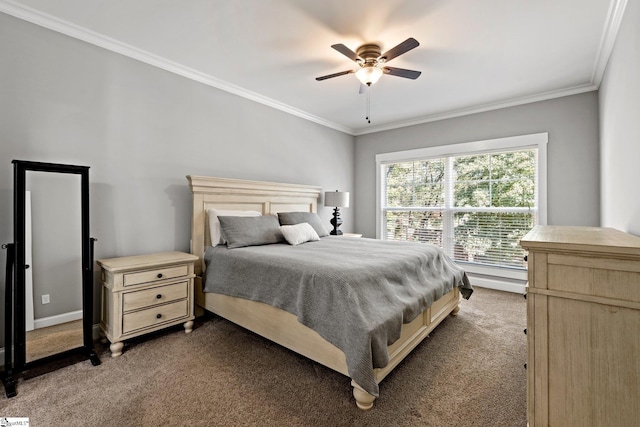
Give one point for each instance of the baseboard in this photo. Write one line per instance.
(57, 319)
(498, 283)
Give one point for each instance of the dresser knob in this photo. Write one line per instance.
(159, 296)
(159, 275)
(158, 316)
(525, 366)
(525, 331)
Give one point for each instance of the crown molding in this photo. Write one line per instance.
(588, 87)
(72, 30)
(613, 22)
(608, 39)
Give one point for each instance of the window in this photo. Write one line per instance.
(475, 200)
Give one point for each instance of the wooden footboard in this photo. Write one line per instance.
(283, 328)
(413, 333)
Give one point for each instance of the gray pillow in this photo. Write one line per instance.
(293, 218)
(241, 231)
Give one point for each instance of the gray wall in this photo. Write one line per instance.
(572, 153)
(620, 128)
(142, 130)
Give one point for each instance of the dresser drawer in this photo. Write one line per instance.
(154, 296)
(154, 316)
(156, 274)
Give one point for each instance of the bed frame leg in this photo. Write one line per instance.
(364, 400)
(455, 311)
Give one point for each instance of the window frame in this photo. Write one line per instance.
(521, 142)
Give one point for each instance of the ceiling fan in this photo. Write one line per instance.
(371, 62)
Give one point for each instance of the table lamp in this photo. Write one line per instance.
(336, 199)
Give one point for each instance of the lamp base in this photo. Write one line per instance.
(336, 221)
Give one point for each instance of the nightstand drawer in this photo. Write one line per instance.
(156, 274)
(154, 296)
(153, 316)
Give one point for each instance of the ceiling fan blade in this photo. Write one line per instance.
(401, 72)
(329, 76)
(345, 51)
(403, 47)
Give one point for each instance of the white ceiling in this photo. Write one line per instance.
(474, 55)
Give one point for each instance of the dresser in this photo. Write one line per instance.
(583, 327)
(145, 293)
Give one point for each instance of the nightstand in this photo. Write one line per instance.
(145, 293)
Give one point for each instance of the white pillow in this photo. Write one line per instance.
(214, 224)
(299, 233)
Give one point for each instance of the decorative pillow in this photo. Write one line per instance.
(214, 225)
(293, 218)
(250, 231)
(299, 233)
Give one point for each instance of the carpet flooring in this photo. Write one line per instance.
(468, 372)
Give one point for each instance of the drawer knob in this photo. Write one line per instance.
(158, 316)
(159, 296)
(525, 331)
(159, 275)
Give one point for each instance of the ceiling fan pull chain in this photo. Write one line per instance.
(368, 118)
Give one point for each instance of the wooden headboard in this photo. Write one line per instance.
(237, 194)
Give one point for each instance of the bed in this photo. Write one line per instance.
(277, 322)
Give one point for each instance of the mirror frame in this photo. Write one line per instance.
(15, 333)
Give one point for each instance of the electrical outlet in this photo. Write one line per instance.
(45, 299)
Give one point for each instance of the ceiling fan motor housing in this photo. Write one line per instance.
(369, 54)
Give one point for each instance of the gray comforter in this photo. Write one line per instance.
(356, 293)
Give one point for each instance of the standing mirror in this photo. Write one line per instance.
(50, 305)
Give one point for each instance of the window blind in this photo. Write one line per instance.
(475, 206)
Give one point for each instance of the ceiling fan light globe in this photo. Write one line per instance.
(369, 75)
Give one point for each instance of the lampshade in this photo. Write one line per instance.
(368, 75)
(338, 199)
